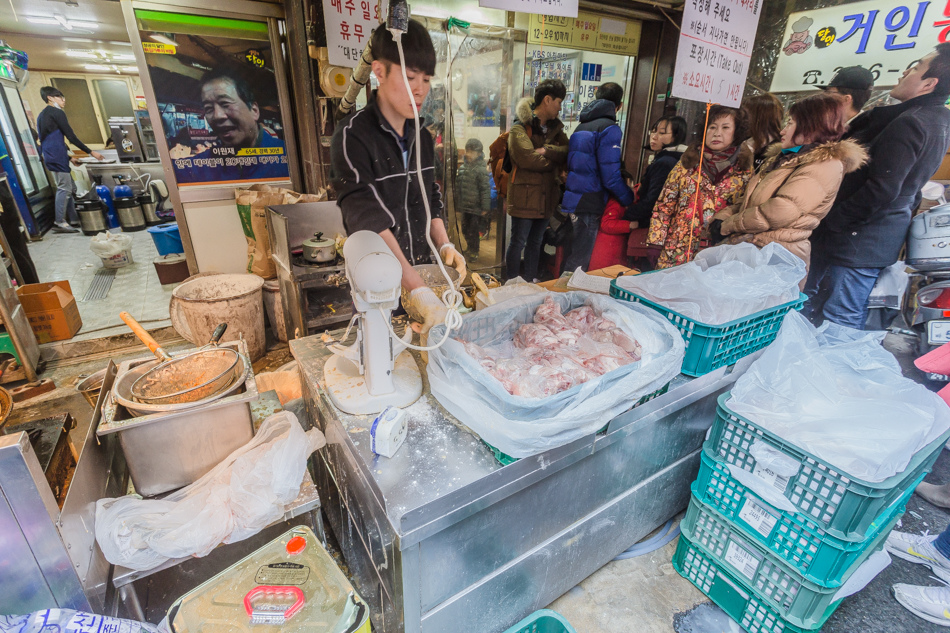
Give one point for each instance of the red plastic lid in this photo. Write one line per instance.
(296, 545)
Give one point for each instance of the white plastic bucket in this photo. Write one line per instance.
(118, 261)
(200, 303)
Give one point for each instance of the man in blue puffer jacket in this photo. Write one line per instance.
(593, 163)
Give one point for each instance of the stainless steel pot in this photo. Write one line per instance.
(149, 210)
(319, 250)
(91, 217)
(130, 214)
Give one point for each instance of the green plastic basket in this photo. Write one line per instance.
(753, 613)
(710, 347)
(792, 536)
(843, 506)
(505, 459)
(543, 621)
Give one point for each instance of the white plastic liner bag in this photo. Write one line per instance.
(521, 427)
(724, 283)
(108, 244)
(838, 394)
(240, 496)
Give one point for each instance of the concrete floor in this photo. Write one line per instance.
(646, 595)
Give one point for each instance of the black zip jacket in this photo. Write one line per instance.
(651, 185)
(376, 190)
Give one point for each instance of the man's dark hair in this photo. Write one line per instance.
(241, 86)
(549, 87)
(940, 68)
(416, 46)
(611, 92)
(858, 97)
(48, 91)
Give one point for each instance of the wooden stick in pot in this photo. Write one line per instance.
(145, 337)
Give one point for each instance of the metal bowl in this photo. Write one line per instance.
(122, 389)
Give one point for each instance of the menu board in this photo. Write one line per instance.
(586, 32)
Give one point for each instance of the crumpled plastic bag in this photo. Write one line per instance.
(108, 244)
(239, 497)
(69, 621)
(520, 426)
(724, 283)
(838, 394)
(890, 287)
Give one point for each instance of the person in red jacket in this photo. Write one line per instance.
(610, 248)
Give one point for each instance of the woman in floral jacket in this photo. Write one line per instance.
(676, 226)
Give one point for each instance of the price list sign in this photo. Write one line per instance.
(715, 46)
(586, 32)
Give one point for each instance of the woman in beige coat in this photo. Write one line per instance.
(797, 184)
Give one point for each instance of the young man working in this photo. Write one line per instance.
(866, 228)
(374, 168)
(593, 161)
(53, 129)
(537, 147)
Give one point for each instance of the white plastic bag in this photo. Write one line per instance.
(724, 283)
(69, 621)
(240, 496)
(108, 244)
(890, 287)
(521, 427)
(839, 395)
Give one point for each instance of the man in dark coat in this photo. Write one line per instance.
(866, 228)
(593, 163)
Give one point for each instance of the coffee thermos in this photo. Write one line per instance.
(92, 217)
(129, 210)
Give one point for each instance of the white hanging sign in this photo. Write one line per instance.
(715, 47)
(349, 24)
(563, 8)
(884, 36)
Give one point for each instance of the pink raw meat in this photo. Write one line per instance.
(536, 335)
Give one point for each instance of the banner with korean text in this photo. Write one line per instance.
(884, 36)
(715, 46)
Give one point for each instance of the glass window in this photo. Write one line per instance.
(79, 109)
(114, 98)
(13, 147)
(25, 132)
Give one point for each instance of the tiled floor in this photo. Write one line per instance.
(135, 289)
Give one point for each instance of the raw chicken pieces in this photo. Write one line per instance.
(558, 351)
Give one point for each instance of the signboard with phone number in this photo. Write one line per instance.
(884, 36)
(586, 32)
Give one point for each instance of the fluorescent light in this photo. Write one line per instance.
(121, 43)
(124, 57)
(97, 67)
(83, 54)
(43, 20)
(82, 24)
(130, 69)
(158, 37)
(84, 40)
(58, 20)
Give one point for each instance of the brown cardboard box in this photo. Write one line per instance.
(51, 310)
(611, 272)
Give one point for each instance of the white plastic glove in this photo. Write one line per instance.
(451, 257)
(425, 306)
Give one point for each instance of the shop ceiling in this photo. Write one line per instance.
(74, 35)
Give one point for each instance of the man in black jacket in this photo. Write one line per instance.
(54, 130)
(373, 156)
(866, 228)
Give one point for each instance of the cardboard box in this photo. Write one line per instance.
(611, 272)
(51, 310)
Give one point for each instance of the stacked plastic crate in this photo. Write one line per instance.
(773, 545)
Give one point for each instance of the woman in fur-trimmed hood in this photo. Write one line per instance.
(798, 182)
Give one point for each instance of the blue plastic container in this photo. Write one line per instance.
(167, 238)
(105, 194)
(543, 621)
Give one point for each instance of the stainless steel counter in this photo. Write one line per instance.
(442, 538)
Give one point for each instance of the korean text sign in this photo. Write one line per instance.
(349, 25)
(884, 36)
(564, 8)
(715, 46)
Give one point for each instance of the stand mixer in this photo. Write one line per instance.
(376, 371)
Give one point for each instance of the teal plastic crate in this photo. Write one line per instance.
(843, 506)
(792, 536)
(710, 347)
(752, 612)
(505, 459)
(543, 621)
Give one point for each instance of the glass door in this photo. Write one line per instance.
(28, 145)
(16, 152)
